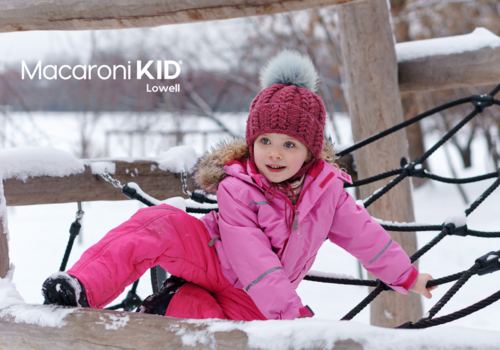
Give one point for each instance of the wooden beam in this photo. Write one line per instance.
(374, 105)
(472, 68)
(105, 329)
(4, 245)
(22, 15)
(88, 187)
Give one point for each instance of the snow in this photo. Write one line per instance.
(177, 159)
(330, 275)
(114, 321)
(178, 202)
(321, 334)
(98, 168)
(8, 293)
(480, 38)
(143, 194)
(12, 305)
(23, 162)
(360, 202)
(193, 204)
(191, 338)
(458, 219)
(395, 223)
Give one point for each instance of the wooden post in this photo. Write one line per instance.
(4, 244)
(375, 105)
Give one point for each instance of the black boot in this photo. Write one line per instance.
(157, 303)
(63, 289)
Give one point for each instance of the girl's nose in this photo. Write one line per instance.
(275, 155)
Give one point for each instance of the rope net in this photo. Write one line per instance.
(486, 264)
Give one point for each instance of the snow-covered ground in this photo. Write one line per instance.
(39, 233)
(115, 134)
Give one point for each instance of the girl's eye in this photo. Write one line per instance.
(265, 141)
(289, 145)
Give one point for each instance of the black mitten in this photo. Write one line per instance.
(63, 289)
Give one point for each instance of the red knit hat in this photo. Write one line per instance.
(288, 105)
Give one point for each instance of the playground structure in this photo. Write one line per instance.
(374, 86)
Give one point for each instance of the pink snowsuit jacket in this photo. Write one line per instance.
(257, 252)
(260, 255)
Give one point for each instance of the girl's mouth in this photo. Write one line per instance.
(275, 169)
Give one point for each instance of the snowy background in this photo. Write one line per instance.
(39, 233)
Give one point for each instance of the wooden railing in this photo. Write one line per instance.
(22, 15)
(91, 187)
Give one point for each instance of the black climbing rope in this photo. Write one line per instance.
(74, 230)
(402, 125)
(415, 168)
(447, 229)
(423, 174)
(488, 263)
(130, 302)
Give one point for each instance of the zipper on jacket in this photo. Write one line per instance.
(294, 207)
(296, 222)
(295, 210)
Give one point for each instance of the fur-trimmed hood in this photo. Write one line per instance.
(209, 170)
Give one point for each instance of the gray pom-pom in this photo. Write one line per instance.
(291, 68)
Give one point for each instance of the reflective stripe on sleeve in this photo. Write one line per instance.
(383, 250)
(262, 276)
(258, 203)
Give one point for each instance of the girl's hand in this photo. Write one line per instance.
(420, 283)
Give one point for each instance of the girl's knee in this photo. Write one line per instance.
(192, 301)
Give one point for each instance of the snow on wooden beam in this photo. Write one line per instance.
(105, 329)
(24, 326)
(89, 187)
(476, 68)
(450, 62)
(22, 15)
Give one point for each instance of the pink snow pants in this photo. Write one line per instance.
(178, 242)
(208, 294)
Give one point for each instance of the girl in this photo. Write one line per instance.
(280, 196)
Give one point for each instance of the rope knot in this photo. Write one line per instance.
(385, 286)
(456, 231)
(481, 101)
(488, 263)
(415, 168)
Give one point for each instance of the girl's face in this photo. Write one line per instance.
(278, 156)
